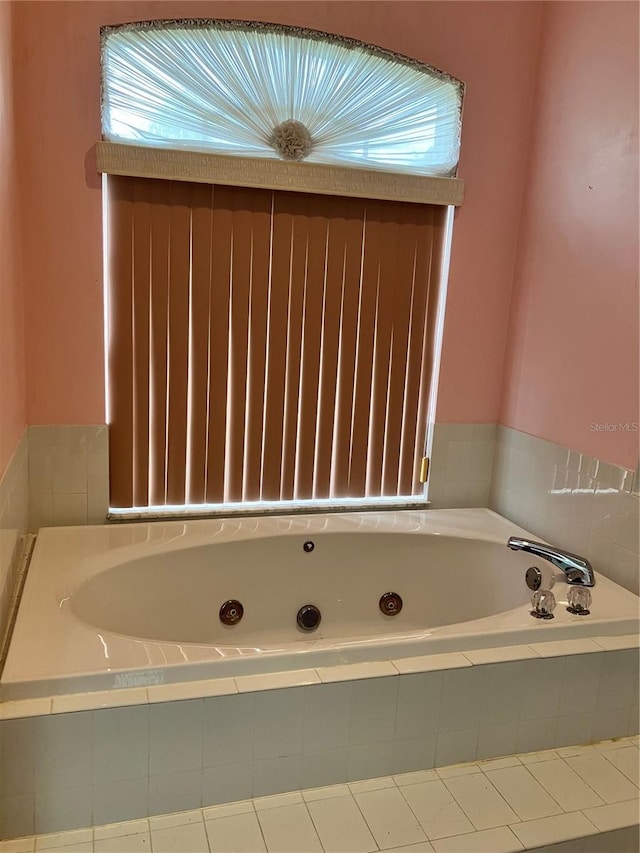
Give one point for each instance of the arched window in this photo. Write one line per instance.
(278, 204)
(262, 90)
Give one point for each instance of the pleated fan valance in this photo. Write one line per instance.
(264, 105)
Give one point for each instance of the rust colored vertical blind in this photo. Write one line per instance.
(265, 345)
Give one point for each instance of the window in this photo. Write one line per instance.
(268, 344)
(224, 86)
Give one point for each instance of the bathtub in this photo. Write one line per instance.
(127, 605)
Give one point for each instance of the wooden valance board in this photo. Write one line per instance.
(202, 167)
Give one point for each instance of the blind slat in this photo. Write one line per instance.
(160, 228)
(329, 350)
(400, 315)
(178, 344)
(354, 247)
(201, 261)
(219, 341)
(436, 218)
(387, 287)
(411, 437)
(300, 205)
(238, 342)
(359, 438)
(260, 262)
(121, 342)
(279, 282)
(141, 287)
(313, 291)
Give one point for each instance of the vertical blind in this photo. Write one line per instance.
(266, 345)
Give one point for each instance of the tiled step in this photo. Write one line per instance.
(571, 800)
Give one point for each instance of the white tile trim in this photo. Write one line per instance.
(191, 690)
(356, 671)
(431, 663)
(72, 702)
(276, 680)
(223, 686)
(23, 708)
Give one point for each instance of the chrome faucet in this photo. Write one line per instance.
(577, 569)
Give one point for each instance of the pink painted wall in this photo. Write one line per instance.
(12, 367)
(572, 357)
(491, 46)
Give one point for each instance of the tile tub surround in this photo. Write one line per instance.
(64, 768)
(13, 524)
(496, 806)
(572, 500)
(68, 475)
(69, 471)
(461, 465)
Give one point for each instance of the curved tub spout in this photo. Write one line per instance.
(578, 570)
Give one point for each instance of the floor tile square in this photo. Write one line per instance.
(186, 838)
(239, 833)
(565, 786)
(480, 801)
(289, 829)
(389, 818)
(436, 809)
(341, 826)
(605, 779)
(523, 793)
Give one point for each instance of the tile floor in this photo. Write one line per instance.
(521, 802)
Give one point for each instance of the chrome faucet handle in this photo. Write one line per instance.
(577, 570)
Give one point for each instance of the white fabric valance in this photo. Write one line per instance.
(238, 88)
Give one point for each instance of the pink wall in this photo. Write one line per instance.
(492, 46)
(12, 368)
(572, 358)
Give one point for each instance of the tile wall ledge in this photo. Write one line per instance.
(224, 686)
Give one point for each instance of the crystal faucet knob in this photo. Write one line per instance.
(543, 602)
(579, 599)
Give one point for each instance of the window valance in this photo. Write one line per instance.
(256, 104)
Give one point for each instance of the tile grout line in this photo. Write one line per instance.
(420, 824)
(257, 817)
(313, 824)
(353, 797)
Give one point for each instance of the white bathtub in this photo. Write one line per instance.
(138, 604)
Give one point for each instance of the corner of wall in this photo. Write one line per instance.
(14, 509)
